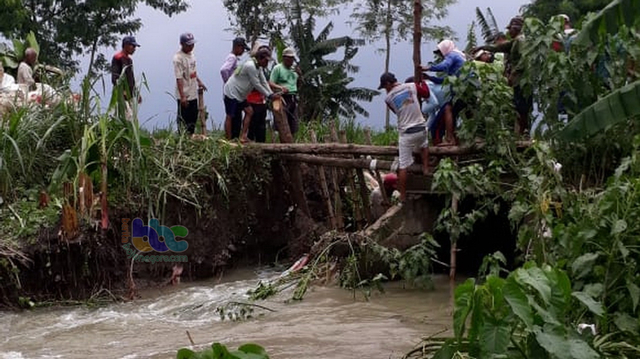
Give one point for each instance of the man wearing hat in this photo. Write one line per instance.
(403, 100)
(231, 62)
(187, 83)
(247, 77)
(238, 47)
(288, 78)
(513, 72)
(122, 62)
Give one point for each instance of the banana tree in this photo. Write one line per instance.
(621, 104)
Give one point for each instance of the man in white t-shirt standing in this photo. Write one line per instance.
(187, 83)
(403, 100)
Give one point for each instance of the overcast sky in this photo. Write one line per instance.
(207, 20)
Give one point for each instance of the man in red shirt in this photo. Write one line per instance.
(122, 62)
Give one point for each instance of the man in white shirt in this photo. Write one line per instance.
(187, 83)
(403, 100)
(25, 69)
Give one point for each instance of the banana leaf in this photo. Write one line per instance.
(618, 106)
(608, 21)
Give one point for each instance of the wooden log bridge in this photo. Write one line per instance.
(315, 153)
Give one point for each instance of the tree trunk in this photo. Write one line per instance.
(387, 38)
(417, 39)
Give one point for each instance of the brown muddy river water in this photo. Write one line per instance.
(328, 323)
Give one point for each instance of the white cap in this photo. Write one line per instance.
(289, 52)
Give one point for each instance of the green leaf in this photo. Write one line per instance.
(583, 264)
(185, 353)
(535, 278)
(626, 323)
(495, 337)
(579, 349)
(609, 20)
(618, 227)
(447, 351)
(255, 349)
(595, 307)
(463, 304)
(634, 291)
(554, 344)
(219, 351)
(518, 302)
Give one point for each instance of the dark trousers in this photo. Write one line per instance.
(236, 124)
(291, 110)
(188, 116)
(258, 126)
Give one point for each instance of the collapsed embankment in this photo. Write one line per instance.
(254, 222)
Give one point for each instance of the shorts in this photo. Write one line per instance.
(232, 107)
(407, 143)
(522, 103)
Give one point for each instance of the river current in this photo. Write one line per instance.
(328, 323)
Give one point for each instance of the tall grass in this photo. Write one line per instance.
(355, 132)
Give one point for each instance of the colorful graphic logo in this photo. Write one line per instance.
(155, 237)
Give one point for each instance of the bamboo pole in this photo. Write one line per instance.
(417, 39)
(337, 200)
(363, 163)
(362, 186)
(357, 209)
(201, 112)
(454, 251)
(284, 133)
(353, 149)
(325, 188)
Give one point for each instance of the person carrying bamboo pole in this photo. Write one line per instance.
(247, 77)
(404, 101)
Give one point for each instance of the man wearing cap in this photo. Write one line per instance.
(238, 47)
(513, 52)
(187, 83)
(288, 78)
(404, 101)
(231, 62)
(245, 78)
(120, 62)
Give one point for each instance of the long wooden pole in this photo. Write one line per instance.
(337, 197)
(325, 189)
(284, 133)
(364, 163)
(357, 209)
(202, 112)
(353, 149)
(417, 39)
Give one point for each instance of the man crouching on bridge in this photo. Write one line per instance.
(403, 100)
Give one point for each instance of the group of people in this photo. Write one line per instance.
(247, 86)
(425, 109)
